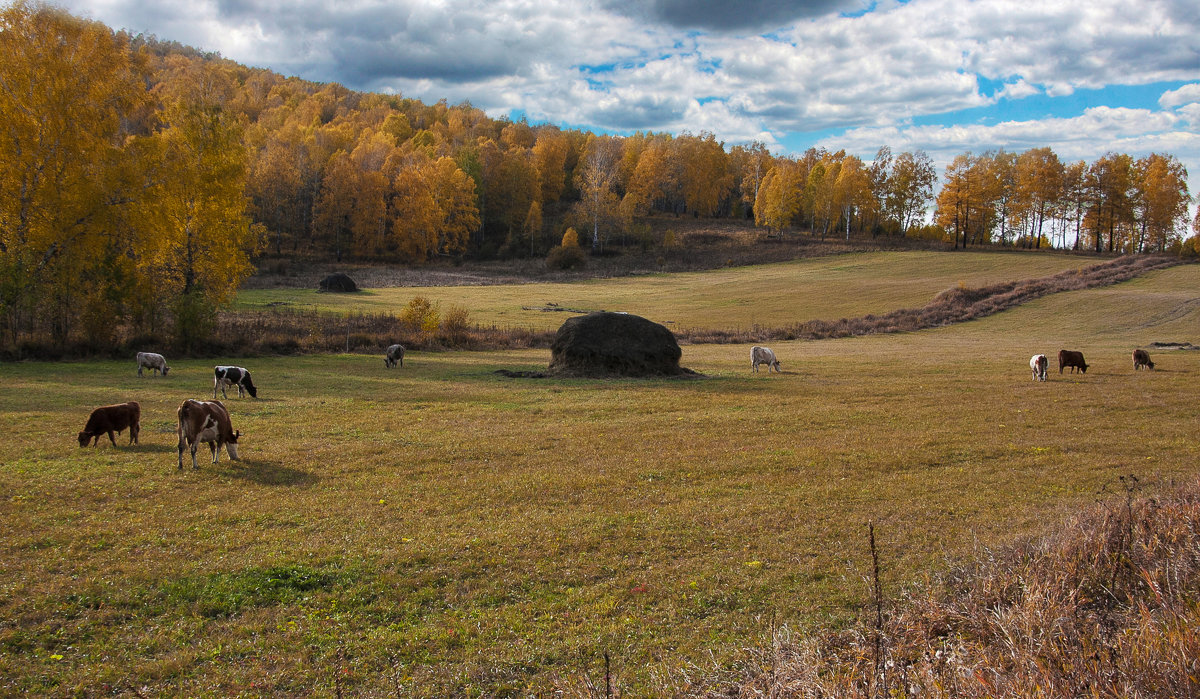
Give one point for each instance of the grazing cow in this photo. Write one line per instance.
(763, 355)
(226, 376)
(1141, 358)
(152, 361)
(202, 421)
(112, 418)
(393, 356)
(1039, 364)
(1067, 358)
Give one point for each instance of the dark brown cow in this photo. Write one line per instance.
(1141, 358)
(1067, 358)
(206, 421)
(112, 418)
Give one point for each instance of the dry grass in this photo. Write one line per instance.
(1105, 606)
(491, 537)
(730, 299)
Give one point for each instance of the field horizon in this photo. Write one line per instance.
(457, 532)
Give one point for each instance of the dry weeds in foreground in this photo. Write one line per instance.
(1107, 606)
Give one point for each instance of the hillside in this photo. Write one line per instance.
(772, 295)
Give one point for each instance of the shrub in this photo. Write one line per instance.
(563, 257)
(570, 239)
(455, 320)
(421, 315)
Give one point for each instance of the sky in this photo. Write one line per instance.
(943, 76)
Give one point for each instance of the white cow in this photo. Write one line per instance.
(1039, 363)
(763, 355)
(152, 361)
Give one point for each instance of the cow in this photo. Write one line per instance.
(393, 356)
(112, 418)
(1141, 358)
(1039, 364)
(1067, 358)
(202, 421)
(152, 361)
(226, 376)
(763, 355)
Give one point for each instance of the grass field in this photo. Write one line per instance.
(462, 533)
(769, 295)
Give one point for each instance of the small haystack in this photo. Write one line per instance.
(338, 282)
(615, 344)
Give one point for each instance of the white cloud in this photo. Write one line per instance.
(1187, 94)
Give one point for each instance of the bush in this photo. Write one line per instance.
(566, 258)
(455, 319)
(421, 315)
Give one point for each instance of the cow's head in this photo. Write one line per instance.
(231, 445)
(84, 438)
(252, 391)
(165, 370)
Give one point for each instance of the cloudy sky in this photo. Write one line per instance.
(947, 76)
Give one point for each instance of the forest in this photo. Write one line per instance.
(143, 179)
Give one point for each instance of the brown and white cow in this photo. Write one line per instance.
(206, 421)
(112, 418)
(763, 355)
(1141, 358)
(1067, 358)
(1039, 364)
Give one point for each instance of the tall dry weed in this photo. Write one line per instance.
(1106, 606)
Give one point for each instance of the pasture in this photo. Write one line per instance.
(839, 286)
(450, 531)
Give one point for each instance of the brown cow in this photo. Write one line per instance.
(1067, 358)
(112, 418)
(206, 421)
(1141, 358)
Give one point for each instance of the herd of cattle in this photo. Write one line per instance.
(207, 422)
(199, 421)
(1075, 362)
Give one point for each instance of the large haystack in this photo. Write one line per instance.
(339, 282)
(615, 344)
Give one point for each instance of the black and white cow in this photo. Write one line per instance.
(226, 376)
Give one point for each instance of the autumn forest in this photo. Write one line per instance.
(143, 178)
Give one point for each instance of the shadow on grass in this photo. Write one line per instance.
(268, 473)
(158, 448)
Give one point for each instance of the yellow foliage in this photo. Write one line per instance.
(422, 315)
(570, 239)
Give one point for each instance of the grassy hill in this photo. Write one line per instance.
(740, 297)
(458, 532)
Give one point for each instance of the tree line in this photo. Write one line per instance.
(142, 177)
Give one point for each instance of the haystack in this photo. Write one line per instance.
(615, 344)
(338, 282)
